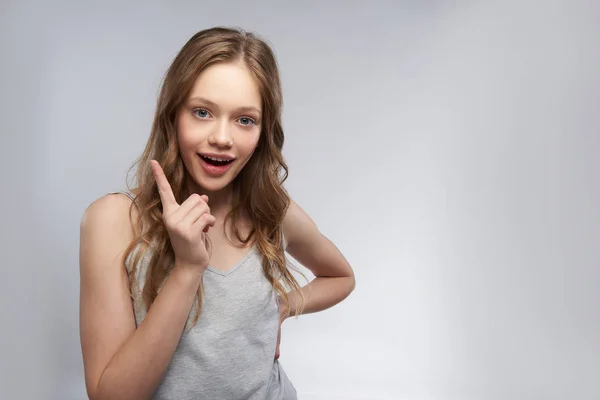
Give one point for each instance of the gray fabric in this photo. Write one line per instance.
(229, 353)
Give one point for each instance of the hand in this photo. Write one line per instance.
(186, 223)
(282, 317)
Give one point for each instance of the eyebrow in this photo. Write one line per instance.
(213, 104)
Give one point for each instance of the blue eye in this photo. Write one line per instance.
(245, 121)
(201, 112)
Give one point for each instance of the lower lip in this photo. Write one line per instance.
(213, 169)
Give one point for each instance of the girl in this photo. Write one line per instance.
(184, 281)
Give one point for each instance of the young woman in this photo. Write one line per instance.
(184, 280)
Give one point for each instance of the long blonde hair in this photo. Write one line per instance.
(257, 190)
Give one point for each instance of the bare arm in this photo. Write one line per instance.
(334, 278)
(120, 361)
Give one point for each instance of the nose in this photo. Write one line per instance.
(221, 136)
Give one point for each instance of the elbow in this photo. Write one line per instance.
(92, 394)
(93, 391)
(93, 388)
(351, 284)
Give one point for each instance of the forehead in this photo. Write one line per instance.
(229, 85)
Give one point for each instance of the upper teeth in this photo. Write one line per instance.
(216, 159)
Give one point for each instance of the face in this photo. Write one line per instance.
(218, 127)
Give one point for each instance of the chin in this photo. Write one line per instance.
(211, 184)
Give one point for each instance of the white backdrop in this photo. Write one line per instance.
(449, 149)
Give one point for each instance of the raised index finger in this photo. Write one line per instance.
(164, 188)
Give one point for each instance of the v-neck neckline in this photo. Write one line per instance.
(236, 266)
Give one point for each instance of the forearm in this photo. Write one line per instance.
(136, 370)
(321, 293)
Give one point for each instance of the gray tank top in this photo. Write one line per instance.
(229, 353)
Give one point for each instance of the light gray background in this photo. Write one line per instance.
(450, 149)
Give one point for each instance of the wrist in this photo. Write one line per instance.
(188, 273)
(186, 265)
(284, 310)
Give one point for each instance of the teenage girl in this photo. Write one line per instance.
(184, 280)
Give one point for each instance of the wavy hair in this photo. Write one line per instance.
(257, 190)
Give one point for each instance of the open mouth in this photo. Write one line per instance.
(217, 162)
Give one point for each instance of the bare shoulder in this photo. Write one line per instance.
(298, 226)
(106, 229)
(111, 210)
(310, 247)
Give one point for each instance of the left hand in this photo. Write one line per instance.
(282, 310)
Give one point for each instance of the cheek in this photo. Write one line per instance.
(249, 143)
(186, 135)
(180, 129)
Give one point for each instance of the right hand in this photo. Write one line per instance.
(186, 223)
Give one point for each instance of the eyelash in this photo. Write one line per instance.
(195, 111)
